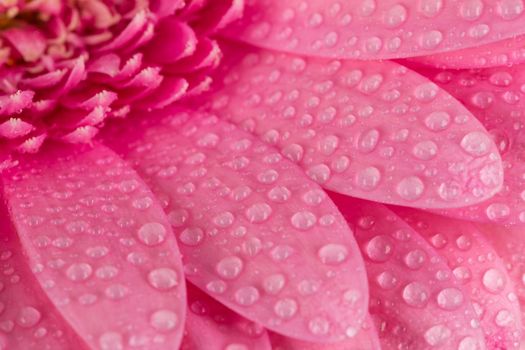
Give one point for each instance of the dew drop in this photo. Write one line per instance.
(163, 278)
(229, 267)
(332, 254)
(152, 233)
(415, 294)
(303, 220)
(246, 296)
(164, 320)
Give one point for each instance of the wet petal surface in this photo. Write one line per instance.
(479, 269)
(27, 318)
(371, 130)
(211, 326)
(376, 29)
(502, 53)
(363, 338)
(410, 281)
(255, 232)
(496, 97)
(99, 244)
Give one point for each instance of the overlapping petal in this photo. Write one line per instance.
(27, 318)
(373, 130)
(481, 272)
(501, 53)
(100, 247)
(211, 326)
(255, 232)
(496, 97)
(510, 245)
(414, 297)
(377, 29)
(365, 338)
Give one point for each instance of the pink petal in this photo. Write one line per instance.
(502, 53)
(163, 49)
(482, 273)
(414, 298)
(510, 245)
(365, 338)
(211, 326)
(28, 41)
(100, 246)
(372, 29)
(253, 230)
(373, 130)
(27, 318)
(496, 97)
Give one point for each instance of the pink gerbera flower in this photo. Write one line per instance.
(215, 174)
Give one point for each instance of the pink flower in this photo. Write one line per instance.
(309, 175)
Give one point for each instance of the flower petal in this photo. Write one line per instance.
(255, 233)
(496, 97)
(372, 130)
(211, 326)
(502, 53)
(100, 246)
(413, 295)
(364, 338)
(482, 273)
(27, 318)
(509, 242)
(372, 29)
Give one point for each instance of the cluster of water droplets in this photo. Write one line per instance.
(372, 28)
(370, 130)
(254, 231)
(98, 242)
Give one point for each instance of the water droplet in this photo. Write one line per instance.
(509, 9)
(163, 278)
(469, 343)
(395, 16)
(430, 8)
(437, 335)
(273, 284)
(410, 188)
(303, 220)
(224, 219)
(191, 236)
(319, 326)
(416, 294)
(425, 150)
(476, 143)
(504, 318)
(319, 173)
(497, 211)
(471, 10)
(216, 287)
(152, 233)
(368, 141)
(164, 320)
(415, 259)
(229, 267)
(285, 308)
(258, 212)
(387, 280)
(450, 298)
(279, 194)
(437, 121)
(111, 341)
(493, 281)
(431, 39)
(368, 178)
(333, 254)
(79, 272)
(247, 296)
(379, 248)
(28, 317)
